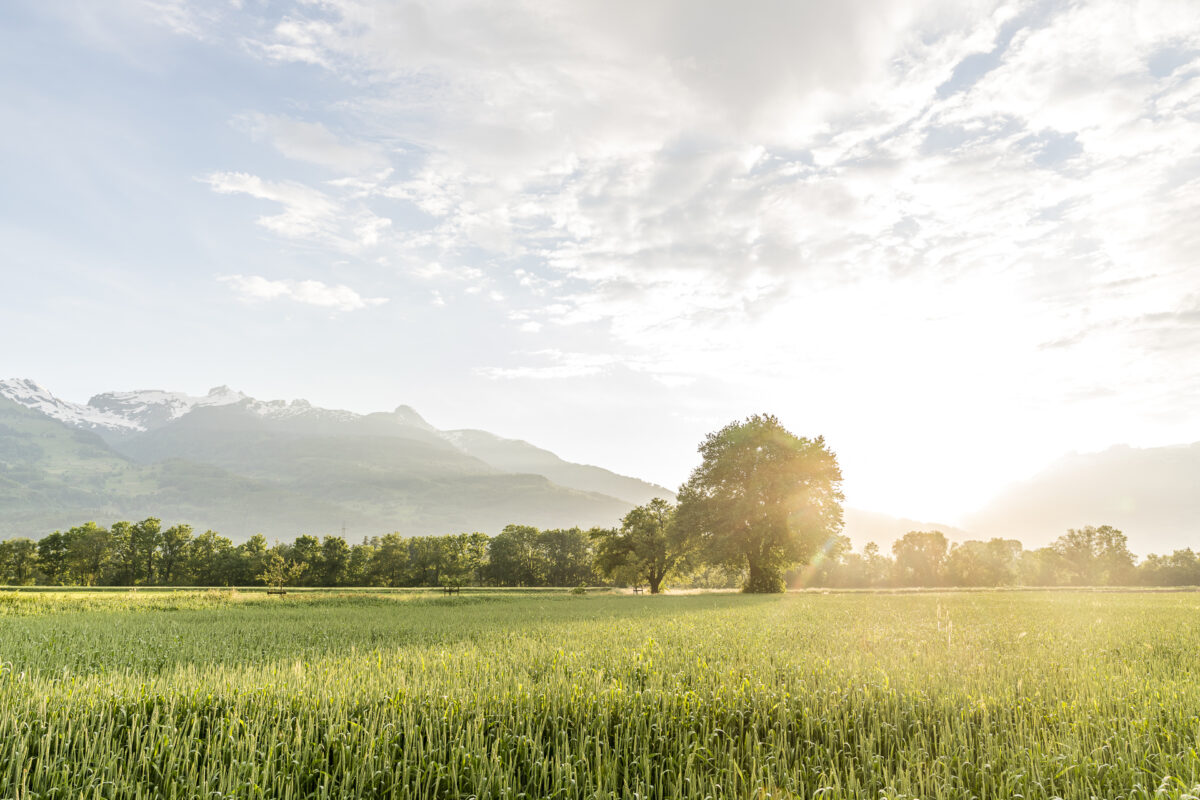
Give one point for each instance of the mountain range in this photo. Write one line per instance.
(242, 466)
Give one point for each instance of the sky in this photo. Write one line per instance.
(958, 239)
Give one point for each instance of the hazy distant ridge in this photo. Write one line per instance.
(1152, 494)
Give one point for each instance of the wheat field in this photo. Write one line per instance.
(220, 694)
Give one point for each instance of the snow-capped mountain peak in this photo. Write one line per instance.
(146, 409)
(283, 409)
(151, 408)
(33, 395)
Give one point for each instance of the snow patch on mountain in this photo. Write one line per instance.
(283, 409)
(151, 408)
(33, 395)
(143, 410)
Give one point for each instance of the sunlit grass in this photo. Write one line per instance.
(219, 694)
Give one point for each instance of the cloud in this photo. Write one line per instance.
(297, 40)
(555, 364)
(752, 149)
(796, 141)
(255, 288)
(561, 365)
(313, 143)
(308, 213)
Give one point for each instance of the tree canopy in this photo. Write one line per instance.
(920, 556)
(762, 499)
(1095, 555)
(647, 546)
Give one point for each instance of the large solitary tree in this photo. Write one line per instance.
(762, 499)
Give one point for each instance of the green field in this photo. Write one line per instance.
(538, 695)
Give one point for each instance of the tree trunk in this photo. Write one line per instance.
(763, 580)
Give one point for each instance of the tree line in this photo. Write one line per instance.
(762, 511)
(146, 553)
(639, 552)
(1087, 556)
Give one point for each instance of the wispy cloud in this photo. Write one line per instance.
(314, 143)
(556, 364)
(257, 289)
(308, 213)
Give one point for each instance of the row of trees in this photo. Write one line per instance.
(762, 502)
(1089, 556)
(647, 549)
(147, 554)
